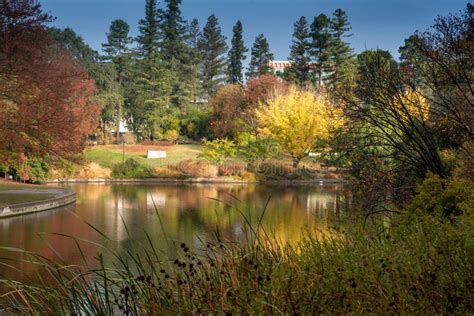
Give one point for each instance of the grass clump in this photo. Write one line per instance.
(278, 170)
(232, 169)
(197, 169)
(419, 264)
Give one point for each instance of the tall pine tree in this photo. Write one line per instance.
(117, 51)
(236, 56)
(321, 47)
(148, 94)
(193, 37)
(341, 53)
(299, 72)
(173, 28)
(212, 47)
(149, 97)
(149, 37)
(261, 56)
(177, 54)
(117, 48)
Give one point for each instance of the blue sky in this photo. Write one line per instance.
(380, 24)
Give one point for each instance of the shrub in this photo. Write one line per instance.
(92, 171)
(172, 135)
(465, 164)
(272, 170)
(168, 172)
(131, 168)
(63, 169)
(235, 169)
(40, 169)
(443, 196)
(197, 168)
(248, 176)
(32, 169)
(219, 150)
(253, 149)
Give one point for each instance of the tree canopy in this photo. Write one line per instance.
(46, 103)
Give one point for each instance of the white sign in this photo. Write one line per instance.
(153, 154)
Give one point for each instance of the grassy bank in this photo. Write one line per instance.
(108, 156)
(420, 264)
(184, 161)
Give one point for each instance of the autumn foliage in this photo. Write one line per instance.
(233, 106)
(45, 96)
(227, 107)
(297, 119)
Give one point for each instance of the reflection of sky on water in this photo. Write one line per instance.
(170, 215)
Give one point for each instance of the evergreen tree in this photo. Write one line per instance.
(173, 27)
(109, 95)
(148, 40)
(76, 45)
(341, 52)
(149, 96)
(177, 54)
(193, 37)
(192, 40)
(213, 47)
(412, 61)
(299, 72)
(321, 47)
(261, 56)
(117, 51)
(236, 56)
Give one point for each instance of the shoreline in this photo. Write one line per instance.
(196, 180)
(62, 198)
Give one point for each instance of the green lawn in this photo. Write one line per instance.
(107, 156)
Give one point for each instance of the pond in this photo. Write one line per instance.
(169, 214)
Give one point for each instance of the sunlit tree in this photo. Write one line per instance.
(298, 119)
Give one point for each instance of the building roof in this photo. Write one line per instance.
(278, 64)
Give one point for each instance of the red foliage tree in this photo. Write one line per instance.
(45, 96)
(227, 106)
(260, 88)
(234, 106)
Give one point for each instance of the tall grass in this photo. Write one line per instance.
(419, 264)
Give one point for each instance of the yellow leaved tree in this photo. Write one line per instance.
(412, 105)
(297, 119)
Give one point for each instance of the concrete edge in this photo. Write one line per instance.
(199, 180)
(66, 198)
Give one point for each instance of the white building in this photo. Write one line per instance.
(279, 66)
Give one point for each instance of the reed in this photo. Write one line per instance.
(418, 264)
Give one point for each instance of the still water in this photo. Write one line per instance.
(169, 214)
